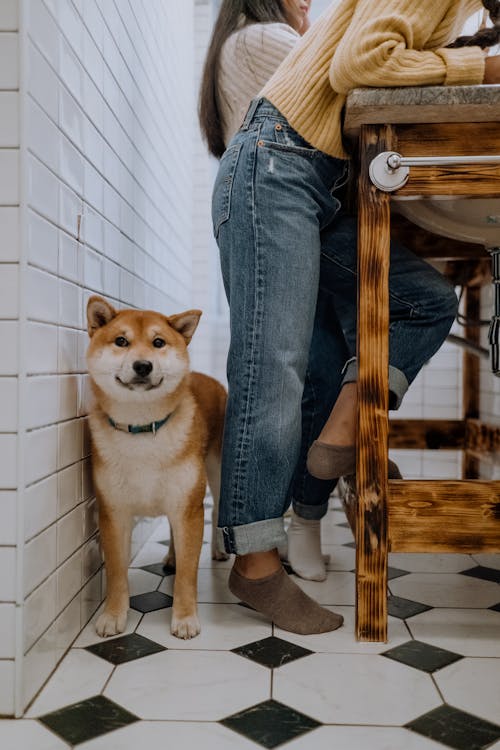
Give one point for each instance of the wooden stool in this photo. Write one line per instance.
(424, 515)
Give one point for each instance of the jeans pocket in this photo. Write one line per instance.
(221, 196)
(284, 139)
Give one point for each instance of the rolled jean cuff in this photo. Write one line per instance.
(310, 512)
(398, 384)
(260, 536)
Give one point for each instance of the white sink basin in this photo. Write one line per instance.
(468, 219)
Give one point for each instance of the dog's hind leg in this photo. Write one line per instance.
(188, 533)
(169, 559)
(115, 532)
(212, 464)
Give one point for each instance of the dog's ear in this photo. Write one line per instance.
(99, 312)
(185, 323)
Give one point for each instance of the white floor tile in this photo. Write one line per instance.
(428, 563)
(150, 553)
(472, 685)
(223, 627)
(212, 586)
(470, 632)
(343, 641)
(331, 533)
(162, 734)
(161, 532)
(341, 558)
(489, 561)
(15, 734)
(355, 689)
(79, 676)
(189, 685)
(207, 562)
(446, 590)
(356, 738)
(89, 636)
(142, 581)
(338, 588)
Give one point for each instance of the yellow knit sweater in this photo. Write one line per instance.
(361, 43)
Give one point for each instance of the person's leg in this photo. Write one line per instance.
(423, 306)
(267, 218)
(309, 495)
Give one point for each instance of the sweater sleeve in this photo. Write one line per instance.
(386, 47)
(265, 46)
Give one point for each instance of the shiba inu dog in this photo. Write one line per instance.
(156, 432)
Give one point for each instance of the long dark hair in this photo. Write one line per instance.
(254, 11)
(483, 38)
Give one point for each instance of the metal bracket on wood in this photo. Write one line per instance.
(494, 332)
(389, 171)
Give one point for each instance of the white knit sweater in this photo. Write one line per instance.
(248, 59)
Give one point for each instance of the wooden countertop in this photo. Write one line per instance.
(421, 104)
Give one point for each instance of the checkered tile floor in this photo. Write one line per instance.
(243, 684)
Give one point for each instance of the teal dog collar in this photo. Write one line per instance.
(136, 429)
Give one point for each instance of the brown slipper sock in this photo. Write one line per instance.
(326, 461)
(283, 602)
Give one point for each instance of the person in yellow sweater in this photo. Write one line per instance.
(283, 234)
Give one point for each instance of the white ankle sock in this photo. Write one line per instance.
(304, 548)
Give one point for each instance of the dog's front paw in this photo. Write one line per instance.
(185, 627)
(109, 624)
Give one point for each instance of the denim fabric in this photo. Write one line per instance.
(288, 257)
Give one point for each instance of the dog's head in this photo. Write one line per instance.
(137, 351)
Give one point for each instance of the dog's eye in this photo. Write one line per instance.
(121, 341)
(158, 342)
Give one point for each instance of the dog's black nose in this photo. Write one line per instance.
(142, 367)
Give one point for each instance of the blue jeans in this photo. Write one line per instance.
(288, 255)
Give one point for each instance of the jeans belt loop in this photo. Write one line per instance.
(250, 113)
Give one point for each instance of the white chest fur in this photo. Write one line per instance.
(146, 473)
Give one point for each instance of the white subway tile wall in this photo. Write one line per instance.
(96, 161)
(208, 349)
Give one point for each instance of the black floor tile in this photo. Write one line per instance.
(404, 608)
(126, 648)
(486, 574)
(396, 573)
(270, 723)
(150, 601)
(456, 729)
(422, 656)
(159, 569)
(87, 719)
(272, 652)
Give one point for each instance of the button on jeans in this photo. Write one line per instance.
(288, 254)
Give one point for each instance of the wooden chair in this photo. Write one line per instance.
(424, 515)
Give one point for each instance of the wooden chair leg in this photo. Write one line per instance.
(470, 463)
(373, 357)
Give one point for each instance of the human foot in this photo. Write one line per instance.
(304, 548)
(325, 461)
(280, 599)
